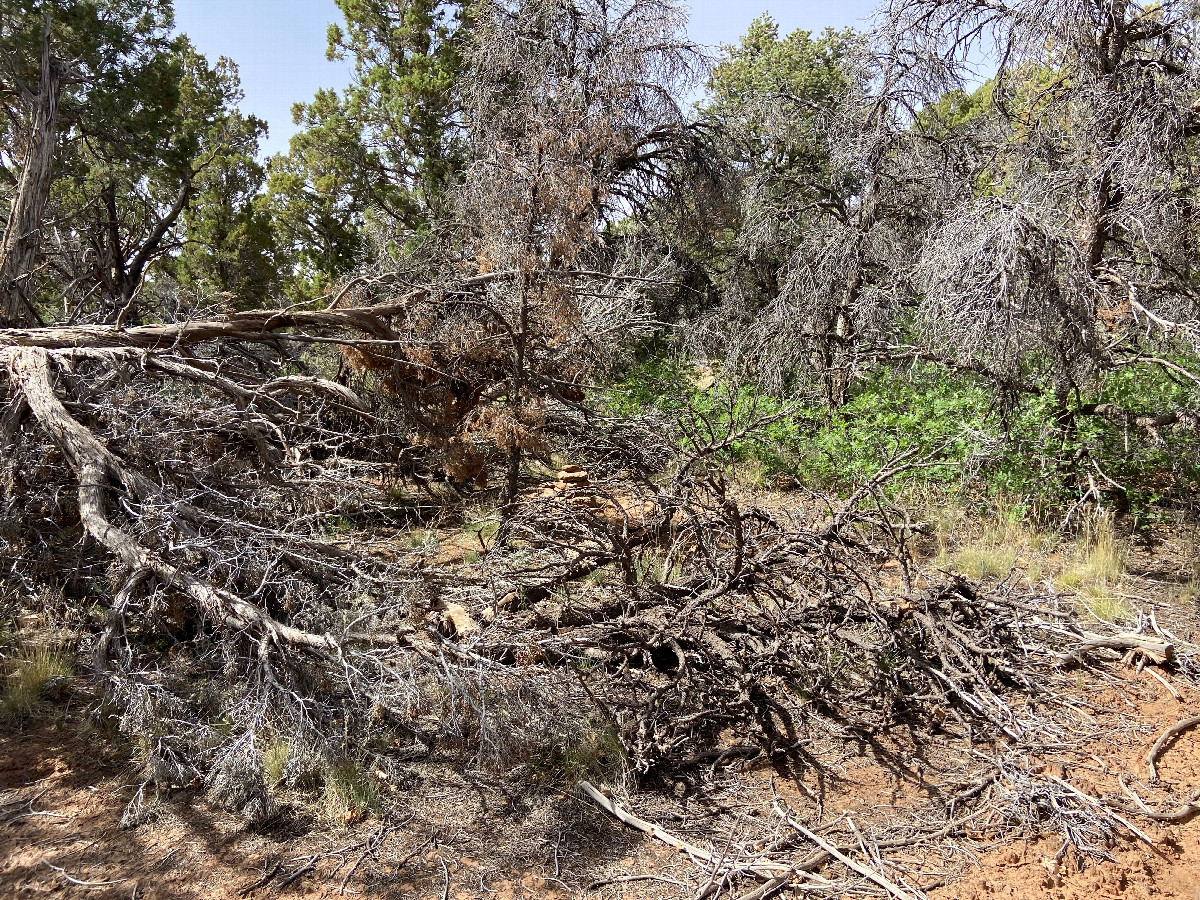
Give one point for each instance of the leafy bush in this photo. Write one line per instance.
(973, 445)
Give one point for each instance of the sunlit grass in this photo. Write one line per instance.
(275, 760)
(350, 793)
(1098, 600)
(1091, 567)
(1003, 542)
(984, 561)
(35, 671)
(1094, 569)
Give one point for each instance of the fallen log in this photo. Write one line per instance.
(94, 466)
(1156, 649)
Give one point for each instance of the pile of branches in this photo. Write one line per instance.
(226, 528)
(725, 627)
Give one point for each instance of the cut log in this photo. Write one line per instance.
(1155, 649)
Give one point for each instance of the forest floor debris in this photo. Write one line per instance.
(877, 801)
(61, 802)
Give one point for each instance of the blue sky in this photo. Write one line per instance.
(279, 45)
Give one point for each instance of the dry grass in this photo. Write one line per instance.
(1092, 567)
(275, 760)
(35, 673)
(990, 545)
(350, 794)
(1095, 570)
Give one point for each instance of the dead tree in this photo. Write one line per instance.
(1077, 247)
(23, 231)
(559, 99)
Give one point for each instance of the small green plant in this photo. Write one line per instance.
(350, 793)
(420, 538)
(1187, 591)
(1103, 556)
(36, 673)
(338, 525)
(275, 760)
(587, 754)
(482, 530)
(1095, 569)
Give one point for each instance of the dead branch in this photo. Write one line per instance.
(761, 868)
(1177, 729)
(94, 465)
(1179, 814)
(866, 871)
(1157, 650)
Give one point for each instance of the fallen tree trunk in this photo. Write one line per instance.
(260, 325)
(94, 465)
(254, 326)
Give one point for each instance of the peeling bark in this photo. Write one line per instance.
(23, 232)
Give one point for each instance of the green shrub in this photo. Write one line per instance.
(974, 446)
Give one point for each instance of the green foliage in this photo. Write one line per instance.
(770, 102)
(275, 760)
(118, 52)
(155, 167)
(382, 152)
(316, 201)
(403, 105)
(798, 70)
(955, 109)
(926, 412)
(953, 421)
(660, 381)
(229, 244)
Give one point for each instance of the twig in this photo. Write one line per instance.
(761, 867)
(865, 871)
(32, 813)
(75, 881)
(1177, 728)
(1092, 801)
(299, 872)
(766, 890)
(1176, 815)
(254, 886)
(625, 879)
(1170, 687)
(373, 845)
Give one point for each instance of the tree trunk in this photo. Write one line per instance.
(516, 400)
(23, 232)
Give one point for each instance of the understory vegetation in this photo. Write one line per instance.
(527, 420)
